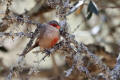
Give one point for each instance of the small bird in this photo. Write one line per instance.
(49, 36)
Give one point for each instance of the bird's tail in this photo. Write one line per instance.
(34, 46)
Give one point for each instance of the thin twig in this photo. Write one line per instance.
(29, 35)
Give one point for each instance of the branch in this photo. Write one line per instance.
(29, 35)
(115, 73)
(34, 35)
(75, 6)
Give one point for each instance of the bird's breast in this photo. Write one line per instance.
(49, 38)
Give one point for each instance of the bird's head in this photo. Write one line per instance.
(54, 24)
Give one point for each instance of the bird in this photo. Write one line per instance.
(49, 36)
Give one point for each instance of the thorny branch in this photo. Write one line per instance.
(76, 6)
(82, 48)
(115, 73)
(20, 19)
(9, 3)
(28, 35)
(34, 35)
